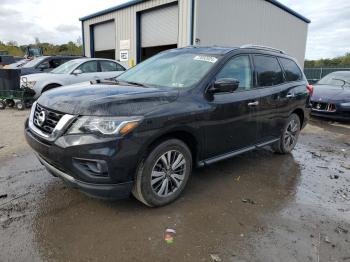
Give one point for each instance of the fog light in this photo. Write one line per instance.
(91, 167)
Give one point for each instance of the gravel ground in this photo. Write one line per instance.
(255, 207)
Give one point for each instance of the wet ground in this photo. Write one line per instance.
(255, 207)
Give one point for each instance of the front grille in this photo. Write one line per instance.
(46, 119)
(326, 107)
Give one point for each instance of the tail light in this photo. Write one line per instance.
(310, 89)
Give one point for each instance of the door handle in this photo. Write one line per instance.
(290, 95)
(255, 103)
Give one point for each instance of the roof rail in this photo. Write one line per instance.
(263, 48)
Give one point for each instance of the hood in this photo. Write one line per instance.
(328, 93)
(28, 70)
(37, 77)
(106, 99)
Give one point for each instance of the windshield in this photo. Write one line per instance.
(171, 70)
(336, 79)
(35, 62)
(66, 68)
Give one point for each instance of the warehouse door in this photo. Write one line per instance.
(159, 30)
(104, 40)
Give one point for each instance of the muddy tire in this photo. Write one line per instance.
(163, 174)
(20, 105)
(2, 104)
(10, 102)
(289, 137)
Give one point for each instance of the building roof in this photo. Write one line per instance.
(134, 2)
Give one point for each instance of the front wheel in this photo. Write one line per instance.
(289, 136)
(20, 105)
(163, 174)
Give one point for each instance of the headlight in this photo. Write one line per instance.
(26, 83)
(347, 104)
(104, 125)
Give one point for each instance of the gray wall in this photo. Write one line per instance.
(239, 22)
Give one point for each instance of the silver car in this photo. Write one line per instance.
(72, 72)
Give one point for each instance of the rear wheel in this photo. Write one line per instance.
(163, 174)
(2, 104)
(20, 105)
(10, 102)
(289, 136)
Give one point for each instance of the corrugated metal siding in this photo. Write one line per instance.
(239, 22)
(125, 21)
(160, 26)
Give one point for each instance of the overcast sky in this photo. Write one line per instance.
(57, 21)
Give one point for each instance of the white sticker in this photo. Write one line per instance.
(124, 55)
(210, 59)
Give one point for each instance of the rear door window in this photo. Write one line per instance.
(238, 68)
(291, 70)
(108, 66)
(89, 67)
(268, 70)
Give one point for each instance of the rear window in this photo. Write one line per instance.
(108, 66)
(291, 70)
(268, 70)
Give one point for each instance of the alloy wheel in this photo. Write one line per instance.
(291, 134)
(168, 173)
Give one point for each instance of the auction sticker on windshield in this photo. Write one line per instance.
(210, 59)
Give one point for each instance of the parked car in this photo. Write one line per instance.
(44, 64)
(182, 108)
(331, 97)
(72, 72)
(17, 64)
(6, 60)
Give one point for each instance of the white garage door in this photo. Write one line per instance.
(160, 27)
(104, 36)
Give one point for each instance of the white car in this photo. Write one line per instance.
(72, 72)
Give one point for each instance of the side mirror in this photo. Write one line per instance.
(224, 85)
(77, 72)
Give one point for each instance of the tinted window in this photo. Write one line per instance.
(55, 62)
(107, 66)
(238, 68)
(268, 70)
(291, 69)
(89, 67)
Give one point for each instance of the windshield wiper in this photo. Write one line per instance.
(130, 83)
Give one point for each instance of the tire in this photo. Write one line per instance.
(289, 136)
(2, 104)
(167, 185)
(20, 105)
(49, 87)
(10, 102)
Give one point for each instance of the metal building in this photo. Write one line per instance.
(138, 29)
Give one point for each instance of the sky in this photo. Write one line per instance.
(57, 21)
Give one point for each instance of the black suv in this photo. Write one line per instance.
(144, 131)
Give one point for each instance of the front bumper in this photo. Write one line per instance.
(339, 113)
(62, 158)
(105, 191)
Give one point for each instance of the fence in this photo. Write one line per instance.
(315, 74)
